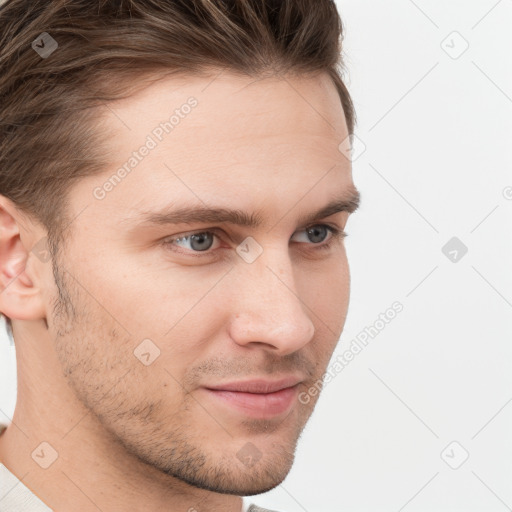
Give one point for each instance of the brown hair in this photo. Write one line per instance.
(106, 49)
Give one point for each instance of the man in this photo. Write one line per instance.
(175, 191)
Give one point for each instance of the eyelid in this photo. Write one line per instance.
(336, 232)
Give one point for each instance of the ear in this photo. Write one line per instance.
(20, 295)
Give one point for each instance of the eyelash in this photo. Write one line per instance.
(336, 235)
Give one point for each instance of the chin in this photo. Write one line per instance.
(241, 485)
(227, 477)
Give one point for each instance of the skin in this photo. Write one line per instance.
(131, 437)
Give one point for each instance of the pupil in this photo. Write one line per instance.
(315, 231)
(197, 242)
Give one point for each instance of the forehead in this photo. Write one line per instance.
(230, 110)
(220, 138)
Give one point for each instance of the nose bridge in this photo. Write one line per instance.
(272, 276)
(268, 305)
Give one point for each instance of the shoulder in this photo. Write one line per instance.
(255, 508)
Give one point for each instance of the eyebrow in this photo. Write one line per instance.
(348, 202)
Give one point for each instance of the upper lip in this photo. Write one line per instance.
(258, 385)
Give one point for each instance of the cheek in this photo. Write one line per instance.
(153, 298)
(327, 291)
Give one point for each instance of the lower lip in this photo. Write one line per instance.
(258, 405)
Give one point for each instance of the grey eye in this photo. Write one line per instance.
(317, 233)
(198, 241)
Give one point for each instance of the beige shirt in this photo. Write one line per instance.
(16, 497)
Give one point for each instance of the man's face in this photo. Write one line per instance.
(154, 316)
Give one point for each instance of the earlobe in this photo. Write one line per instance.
(20, 297)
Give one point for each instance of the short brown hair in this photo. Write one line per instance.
(106, 49)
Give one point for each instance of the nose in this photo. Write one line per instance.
(269, 312)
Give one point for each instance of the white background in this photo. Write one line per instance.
(435, 125)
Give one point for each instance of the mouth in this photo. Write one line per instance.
(257, 398)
